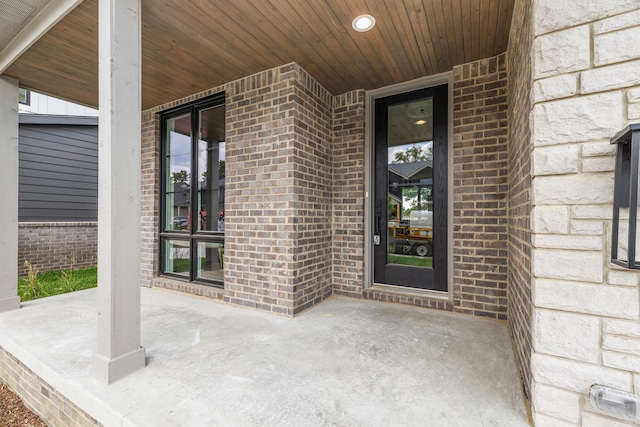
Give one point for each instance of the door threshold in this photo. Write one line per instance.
(409, 296)
(404, 290)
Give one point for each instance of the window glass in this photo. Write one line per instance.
(177, 257)
(210, 260)
(211, 168)
(410, 183)
(177, 171)
(193, 183)
(24, 96)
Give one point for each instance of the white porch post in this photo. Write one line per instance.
(119, 352)
(9, 299)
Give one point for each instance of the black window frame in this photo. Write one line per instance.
(192, 235)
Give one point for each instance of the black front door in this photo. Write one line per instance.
(410, 207)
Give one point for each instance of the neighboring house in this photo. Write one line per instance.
(519, 99)
(36, 103)
(58, 193)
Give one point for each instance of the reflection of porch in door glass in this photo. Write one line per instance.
(410, 204)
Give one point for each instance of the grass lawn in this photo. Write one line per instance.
(410, 260)
(56, 282)
(180, 265)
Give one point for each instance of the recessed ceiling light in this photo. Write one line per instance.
(421, 122)
(363, 23)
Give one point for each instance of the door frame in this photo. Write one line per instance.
(369, 151)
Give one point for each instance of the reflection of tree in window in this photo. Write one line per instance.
(415, 185)
(414, 153)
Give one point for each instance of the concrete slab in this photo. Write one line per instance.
(345, 362)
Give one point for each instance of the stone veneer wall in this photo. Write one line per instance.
(348, 193)
(480, 188)
(39, 396)
(519, 305)
(54, 246)
(586, 320)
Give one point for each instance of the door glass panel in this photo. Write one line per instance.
(177, 171)
(410, 184)
(210, 260)
(211, 169)
(177, 257)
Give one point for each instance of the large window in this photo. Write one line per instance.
(192, 199)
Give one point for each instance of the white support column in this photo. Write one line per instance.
(9, 299)
(119, 352)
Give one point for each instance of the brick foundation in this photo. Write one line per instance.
(189, 288)
(40, 397)
(54, 246)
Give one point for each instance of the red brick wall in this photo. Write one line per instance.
(348, 194)
(519, 281)
(480, 190)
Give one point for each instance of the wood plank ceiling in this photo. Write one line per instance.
(190, 46)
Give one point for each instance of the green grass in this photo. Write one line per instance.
(410, 260)
(180, 265)
(40, 285)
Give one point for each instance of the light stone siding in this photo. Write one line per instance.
(586, 315)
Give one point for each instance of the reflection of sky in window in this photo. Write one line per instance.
(180, 152)
(401, 148)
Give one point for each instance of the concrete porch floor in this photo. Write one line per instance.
(345, 362)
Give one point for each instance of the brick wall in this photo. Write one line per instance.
(149, 202)
(519, 261)
(312, 111)
(348, 194)
(54, 246)
(480, 188)
(39, 396)
(586, 319)
(295, 184)
(278, 217)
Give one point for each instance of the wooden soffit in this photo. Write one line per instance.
(190, 46)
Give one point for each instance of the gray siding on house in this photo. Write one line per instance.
(58, 172)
